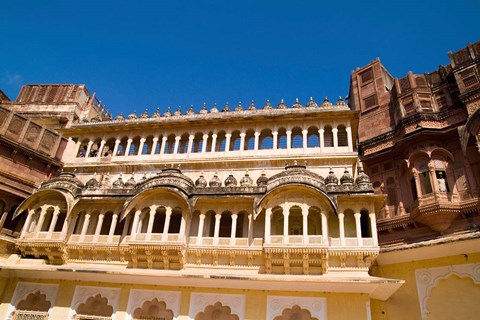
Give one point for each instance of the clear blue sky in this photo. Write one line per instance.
(153, 54)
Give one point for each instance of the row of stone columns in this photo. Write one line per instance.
(41, 219)
(137, 223)
(214, 137)
(98, 227)
(216, 232)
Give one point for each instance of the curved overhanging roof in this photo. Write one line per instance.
(40, 195)
(130, 204)
(472, 127)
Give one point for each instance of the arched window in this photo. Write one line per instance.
(147, 145)
(297, 138)
(197, 142)
(122, 146)
(134, 146)
(170, 144)
(277, 221)
(249, 139)
(328, 136)
(82, 151)
(175, 221)
(266, 139)
(282, 138)
(94, 149)
(235, 141)
(221, 141)
(424, 177)
(365, 224)
(225, 225)
(342, 136)
(312, 137)
(108, 148)
(314, 221)
(183, 143)
(441, 175)
(349, 224)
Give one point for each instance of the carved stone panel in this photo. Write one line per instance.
(289, 308)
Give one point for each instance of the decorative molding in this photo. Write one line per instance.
(138, 297)
(23, 289)
(316, 306)
(199, 301)
(82, 293)
(427, 279)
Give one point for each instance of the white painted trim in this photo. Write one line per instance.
(427, 279)
(138, 297)
(316, 306)
(23, 289)
(82, 293)
(199, 301)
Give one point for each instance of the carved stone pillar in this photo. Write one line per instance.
(100, 149)
(115, 148)
(228, 137)
(335, 138)
(289, 139)
(51, 228)
(341, 224)
(257, 136)
(154, 145)
(127, 148)
(358, 229)
(373, 227)
(216, 233)
(41, 219)
(268, 228)
(200, 228)
(234, 229)
(321, 134)
(214, 142)
(286, 213)
(140, 147)
(86, 222)
(190, 143)
(349, 138)
(305, 139)
(113, 225)
(101, 216)
(324, 229)
(204, 144)
(275, 142)
(151, 219)
(135, 223)
(168, 215)
(26, 226)
(89, 148)
(162, 147)
(305, 223)
(242, 141)
(175, 146)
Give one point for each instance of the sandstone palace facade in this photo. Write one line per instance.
(360, 209)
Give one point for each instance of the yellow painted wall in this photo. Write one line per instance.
(404, 304)
(339, 306)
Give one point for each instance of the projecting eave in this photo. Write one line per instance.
(376, 288)
(330, 113)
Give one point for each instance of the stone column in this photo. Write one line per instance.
(257, 135)
(51, 228)
(358, 229)
(214, 142)
(204, 143)
(234, 229)
(162, 147)
(242, 141)
(78, 144)
(321, 135)
(335, 138)
(200, 228)
(289, 139)
(154, 145)
(268, 228)
(433, 179)
(373, 228)
(89, 148)
(101, 216)
(100, 149)
(135, 223)
(127, 148)
(228, 137)
(151, 219)
(175, 146)
(305, 139)
(305, 223)
(86, 222)
(286, 213)
(41, 219)
(250, 228)
(275, 142)
(417, 183)
(341, 225)
(183, 226)
(324, 229)
(218, 216)
(349, 137)
(140, 147)
(115, 148)
(168, 214)
(190, 143)
(113, 225)
(31, 212)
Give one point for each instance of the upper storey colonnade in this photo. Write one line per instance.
(327, 129)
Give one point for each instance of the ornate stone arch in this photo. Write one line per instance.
(293, 308)
(96, 301)
(32, 301)
(204, 306)
(295, 313)
(144, 299)
(217, 311)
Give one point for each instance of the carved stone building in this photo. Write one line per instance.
(253, 212)
(419, 140)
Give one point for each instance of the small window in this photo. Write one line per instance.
(366, 76)
(370, 101)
